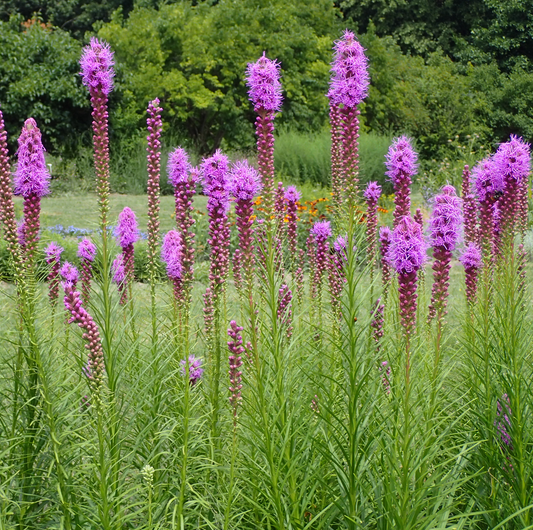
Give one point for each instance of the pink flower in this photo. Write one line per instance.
(97, 66)
(263, 80)
(127, 231)
(171, 254)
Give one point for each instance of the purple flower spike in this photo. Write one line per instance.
(385, 236)
(119, 272)
(444, 228)
(31, 176)
(472, 261)
(321, 230)
(53, 256)
(171, 254)
(127, 230)
(401, 162)
(372, 195)
(87, 250)
(236, 350)
(53, 252)
(407, 251)
(340, 244)
(407, 254)
(195, 369)
(178, 166)
(245, 182)
(487, 179)
(512, 159)
(292, 194)
(350, 79)
(70, 274)
(445, 223)
(263, 80)
(97, 66)
(372, 192)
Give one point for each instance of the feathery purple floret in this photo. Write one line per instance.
(97, 66)
(445, 223)
(215, 174)
(321, 230)
(350, 79)
(487, 179)
(340, 244)
(263, 80)
(70, 274)
(401, 159)
(195, 369)
(87, 250)
(372, 192)
(119, 270)
(407, 252)
(471, 257)
(512, 159)
(178, 166)
(244, 181)
(292, 194)
(171, 254)
(31, 176)
(53, 252)
(127, 231)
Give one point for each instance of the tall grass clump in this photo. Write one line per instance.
(307, 380)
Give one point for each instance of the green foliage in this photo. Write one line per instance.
(194, 59)
(38, 78)
(307, 158)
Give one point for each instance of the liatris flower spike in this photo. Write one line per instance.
(32, 182)
(178, 166)
(53, 257)
(385, 236)
(7, 206)
(171, 254)
(321, 232)
(349, 86)
(372, 194)
(155, 126)
(350, 79)
(488, 184)
(245, 184)
(285, 308)
(401, 162)
(70, 275)
(292, 196)
(127, 234)
(472, 261)
(94, 371)
(195, 369)
(512, 161)
(119, 277)
(263, 80)
(97, 74)
(444, 227)
(86, 253)
(407, 253)
(235, 363)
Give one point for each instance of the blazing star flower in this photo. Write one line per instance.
(512, 159)
(171, 254)
(53, 252)
(178, 166)
(70, 274)
(127, 231)
(31, 176)
(263, 80)
(488, 181)
(407, 252)
(401, 162)
(445, 223)
(350, 79)
(321, 230)
(119, 271)
(86, 250)
(292, 194)
(244, 181)
(195, 369)
(97, 66)
(472, 261)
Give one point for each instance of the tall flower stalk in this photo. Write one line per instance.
(401, 162)
(263, 80)
(87, 254)
(348, 87)
(53, 257)
(469, 209)
(97, 74)
(154, 125)
(472, 261)
(183, 179)
(372, 194)
(32, 182)
(444, 226)
(385, 236)
(127, 233)
(244, 185)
